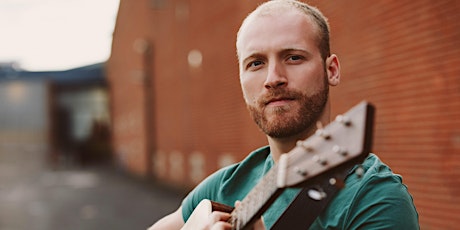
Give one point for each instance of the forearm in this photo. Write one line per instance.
(172, 221)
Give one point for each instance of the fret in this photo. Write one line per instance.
(257, 201)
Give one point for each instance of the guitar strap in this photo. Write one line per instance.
(303, 210)
(311, 201)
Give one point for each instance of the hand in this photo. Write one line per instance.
(218, 221)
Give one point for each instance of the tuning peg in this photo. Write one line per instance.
(340, 150)
(321, 132)
(359, 171)
(301, 172)
(316, 194)
(338, 183)
(343, 120)
(320, 160)
(305, 145)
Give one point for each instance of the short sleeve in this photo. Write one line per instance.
(377, 199)
(205, 190)
(382, 202)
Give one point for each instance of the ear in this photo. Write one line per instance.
(333, 70)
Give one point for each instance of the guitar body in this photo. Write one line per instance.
(199, 215)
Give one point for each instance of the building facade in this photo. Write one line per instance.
(63, 113)
(178, 113)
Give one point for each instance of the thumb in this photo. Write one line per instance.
(237, 203)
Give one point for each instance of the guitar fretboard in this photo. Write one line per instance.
(257, 201)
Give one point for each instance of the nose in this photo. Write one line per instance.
(276, 76)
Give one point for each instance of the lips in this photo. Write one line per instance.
(278, 100)
(279, 97)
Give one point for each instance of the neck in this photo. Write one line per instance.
(279, 146)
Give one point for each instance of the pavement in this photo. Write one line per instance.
(33, 196)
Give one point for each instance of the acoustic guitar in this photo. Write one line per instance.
(325, 157)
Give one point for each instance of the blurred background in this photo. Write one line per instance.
(111, 110)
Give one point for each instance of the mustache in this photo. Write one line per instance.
(277, 94)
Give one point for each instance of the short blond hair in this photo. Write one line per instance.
(317, 17)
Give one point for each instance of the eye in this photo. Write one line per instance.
(254, 64)
(295, 58)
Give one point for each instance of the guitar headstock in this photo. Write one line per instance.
(344, 142)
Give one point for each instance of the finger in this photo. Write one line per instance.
(217, 220)
(219, 216)
(221, 226)
(237, 203)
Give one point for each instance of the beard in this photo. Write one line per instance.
(286, 121)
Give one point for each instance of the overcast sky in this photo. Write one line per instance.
(56, 34)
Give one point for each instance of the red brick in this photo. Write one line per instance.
(401, 55)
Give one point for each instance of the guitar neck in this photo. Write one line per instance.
(257, 201)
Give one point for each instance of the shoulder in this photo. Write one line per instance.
(383, 198)
(378, 183)
(378, 178)
(255, 164)
(373, 170)
(374, 200)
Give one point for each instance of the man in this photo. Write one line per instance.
(286, 69)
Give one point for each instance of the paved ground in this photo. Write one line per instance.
(35, 197)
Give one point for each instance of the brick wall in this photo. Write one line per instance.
(178, 112)
(403, 57)
(203, 122)
(128, 85)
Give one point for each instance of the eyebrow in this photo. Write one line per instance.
(255, 55)
(289, 50)
(258, 55)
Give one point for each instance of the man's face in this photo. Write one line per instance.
(282, 74)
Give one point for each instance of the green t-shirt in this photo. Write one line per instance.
(377, 200)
